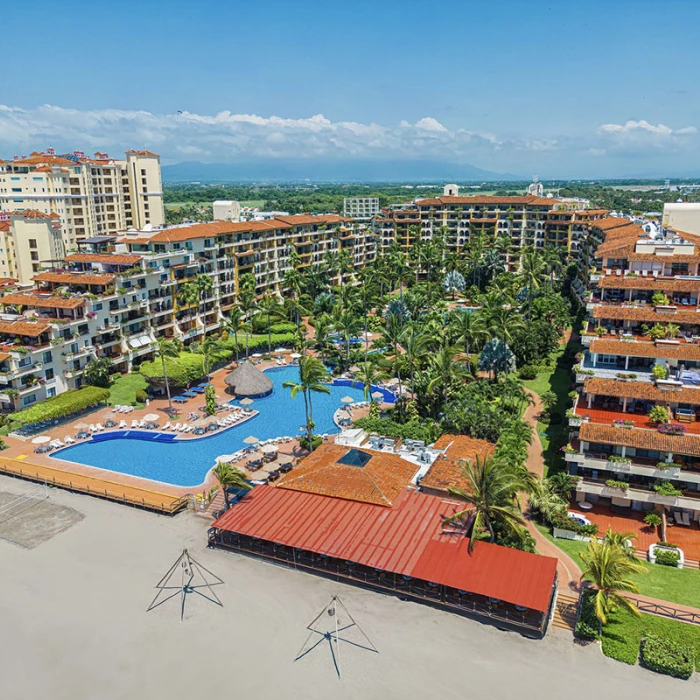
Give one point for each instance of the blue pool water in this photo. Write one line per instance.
(186, 462)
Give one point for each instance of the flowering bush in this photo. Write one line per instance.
(672, 428)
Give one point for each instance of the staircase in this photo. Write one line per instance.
(565, 611)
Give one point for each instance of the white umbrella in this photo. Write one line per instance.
(246, 402)
(280, 349)
(251, 440)
(41, 439)
(295, 355)
(224, 458)
(393, 381)
(257, 354)
(347, 399)
(150, 417)
(269, 449)
(377, 395)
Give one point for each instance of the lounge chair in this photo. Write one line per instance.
(134, 424)
(92, 428)
(188, 429)
(686, 519)
(142, 424)
(678, 518)
(122, 425)
(99, 426)
(68, 440)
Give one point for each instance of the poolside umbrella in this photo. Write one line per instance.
(41, 439)
(251, 440)
(280, 349)
(285, 459)
(151, 417)
(248, 380)
(246, 402)
(347, 399)
(377, 395)
(224, 458)
(80, 426)
(392, 381)
(295, 355)
(269, 449)
(257, 354)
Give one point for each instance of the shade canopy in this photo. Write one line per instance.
(377, 395)
(80, 426)
(347, 399)
(269, 449)
(246, 402)
(285, 459)
(41, 439)
(150, 417)
(251, 440)
(295, 355)
(248, 380)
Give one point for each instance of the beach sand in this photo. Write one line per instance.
(74, 625)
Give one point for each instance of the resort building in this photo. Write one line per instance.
(514, 222)
(684, 216)
(354, 514)
(117, 299)
(642, 352)
(29, 241)
(91, 196)
(361, 208)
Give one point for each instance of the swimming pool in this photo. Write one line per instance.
(186, 462)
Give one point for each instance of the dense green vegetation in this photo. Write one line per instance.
(122, 391)
(62, 405)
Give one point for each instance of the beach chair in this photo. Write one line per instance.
(142, 424)
(686, 519)
(678, 518)
(99, 426)
(68, 440)
(134, 424)
(122, 425)
(58, 443)
(92, 428)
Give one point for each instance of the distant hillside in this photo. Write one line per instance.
(329, 171)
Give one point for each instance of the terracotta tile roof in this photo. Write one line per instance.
(32, 214)
(663, 257)
(641, 438)
(308, 219)
(447, 472)
(4, 225)
(48, 302)
(31, 330)
(630, 348)
(646, 313)
(640, 390)
(487, 199)
(144, 153)
(379, 481)
(4, 356)
(609, 222)
(42, 159)
(110, 258)
(74, 278)
(211, 230)
(662, 284)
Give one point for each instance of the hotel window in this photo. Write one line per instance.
(47, 357)
(34, 255)
(29, 400)
(48, 374)
(32, 243)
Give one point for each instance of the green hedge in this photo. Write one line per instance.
(587, 625)
(665, 656)
(64, 404)
(666, 558)
(413, 430)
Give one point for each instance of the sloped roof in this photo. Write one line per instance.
(337, 471)
(641, 390)
(248, 380)
(109, 258)
(407, 539)
(641, 438)
(661, 284)
(628, 348)
(74, 278)
(48, 302)
(447, 471)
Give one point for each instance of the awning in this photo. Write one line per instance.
(139, 341)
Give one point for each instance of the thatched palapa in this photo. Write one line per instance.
(247, 380)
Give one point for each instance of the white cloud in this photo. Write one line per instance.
(643, 127)
(226, 136)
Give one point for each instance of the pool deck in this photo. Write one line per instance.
(20, 459)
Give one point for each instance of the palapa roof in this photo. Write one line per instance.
(247, 380)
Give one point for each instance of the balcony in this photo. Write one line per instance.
(639, 466)
(589, 486)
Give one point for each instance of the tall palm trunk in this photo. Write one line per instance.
(167, 383)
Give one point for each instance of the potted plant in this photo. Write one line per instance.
(617, 485)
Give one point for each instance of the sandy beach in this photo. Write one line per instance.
(74, 625)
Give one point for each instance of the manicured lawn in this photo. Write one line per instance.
(124, 388)
(663, 582)
(623, 634)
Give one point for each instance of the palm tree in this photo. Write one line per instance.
(546, 501)
(490, 498)
(321, 332)
(414, 347)
(228, 475)
(496, 358)
(369, 374)
(312, 372)
(532, 273)
(271, 309)
(232, 324)
(504, 322)
(609, 568)
(348, 324)
(166, 348)
(622, 540)
(205, 286)
(207, 349)
(468, 329)
(345, 265)
(447, 370)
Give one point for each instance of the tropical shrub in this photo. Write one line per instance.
(413, 430)
(659, 414)
(667, 558)
(141, 396)
(666, 656)
(659, 299)
(210, 400)
(659, 372)
(653, 519)
(64, 404)
(666, 488)
(316, 441)
(619, 485)
(527, 372)
(587, 625)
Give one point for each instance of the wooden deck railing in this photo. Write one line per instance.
(102, 488)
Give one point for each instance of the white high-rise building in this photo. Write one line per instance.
(92, 196)
(360, 208)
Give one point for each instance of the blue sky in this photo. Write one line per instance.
(559, 88)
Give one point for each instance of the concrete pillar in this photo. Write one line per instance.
(624, 404)
(627, 362)
(590, 400)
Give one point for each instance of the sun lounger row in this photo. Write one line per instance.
(122, 409)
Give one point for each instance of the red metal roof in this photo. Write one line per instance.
(406, 539)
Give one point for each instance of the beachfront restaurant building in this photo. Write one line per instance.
(389, 537)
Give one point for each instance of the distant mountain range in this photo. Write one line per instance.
(330, 171)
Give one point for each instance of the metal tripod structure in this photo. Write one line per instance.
(333, 636)
(189, 569)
